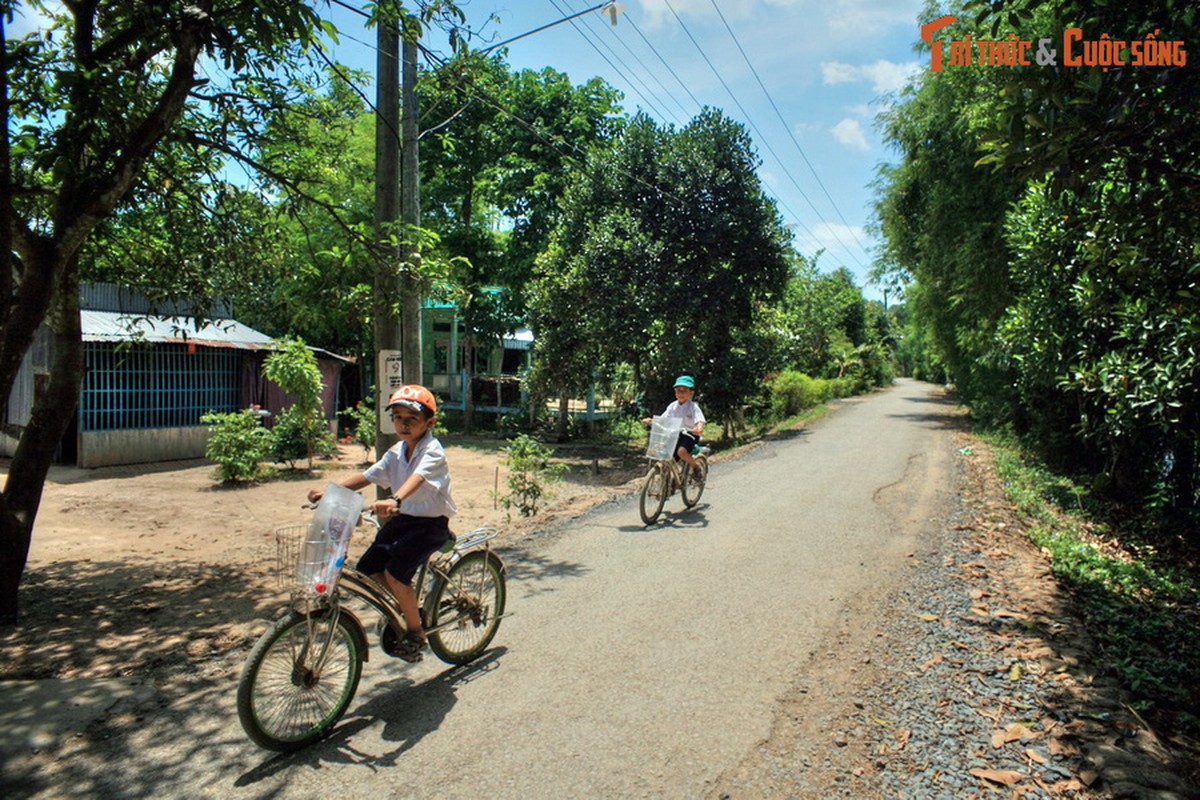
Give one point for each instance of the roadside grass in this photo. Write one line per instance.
(1136, 583)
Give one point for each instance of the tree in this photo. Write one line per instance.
(1049, 218)
(487, 167)
(293, 368)
(942, 219)
(85, 104)
(666, 249)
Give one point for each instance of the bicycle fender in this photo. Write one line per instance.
(358, 632)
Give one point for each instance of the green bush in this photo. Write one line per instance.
(237, 443)
(795, 392)
(296, 436)
(293, 368)
(364, 426)
(530, 473)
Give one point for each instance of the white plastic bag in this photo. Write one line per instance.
(328, 538)
(664, 433)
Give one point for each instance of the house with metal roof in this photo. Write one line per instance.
(448, 358)
(151, 372)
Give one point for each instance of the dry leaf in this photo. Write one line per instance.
(1004, 612)
(1011, 733)
(931, 662)
(1033, 755)
(1014, 672)
(1005, 777)
(980, 611)
(928, 617)
(978, 594)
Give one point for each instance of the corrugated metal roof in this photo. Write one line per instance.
(521, 339)
(110, 326)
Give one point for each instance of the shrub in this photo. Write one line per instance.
(294, 436)
(530, 473)
(294, 368)
(364, 425)
(237, 443)
(795, 392)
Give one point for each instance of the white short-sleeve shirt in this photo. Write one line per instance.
(428, 460)
(689, 412)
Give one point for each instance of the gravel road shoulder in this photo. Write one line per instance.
(972, 681)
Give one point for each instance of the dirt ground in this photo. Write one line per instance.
(147, 570)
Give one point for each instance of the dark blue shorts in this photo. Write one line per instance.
(403, 544)
(687, 441)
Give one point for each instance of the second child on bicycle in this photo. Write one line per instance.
(685, 407)
(416, 516)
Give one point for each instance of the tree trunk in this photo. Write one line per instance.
(468, 394)
(564, 412)
(52, 413)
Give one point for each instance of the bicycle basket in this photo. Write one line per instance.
(664, 433)
(306, 562)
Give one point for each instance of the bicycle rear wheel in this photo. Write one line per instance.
(294, 688)
(654, 493)
(694, 480)
(464, 609)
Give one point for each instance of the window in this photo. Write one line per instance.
(163, 386)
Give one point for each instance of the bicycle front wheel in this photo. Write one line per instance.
(654, 493)
(299, 679)
(694, 479)
(463, 612)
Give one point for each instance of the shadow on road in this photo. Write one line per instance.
(683, 520)
(937, 411)
(409, 712)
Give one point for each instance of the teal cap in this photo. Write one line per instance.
(685, 380)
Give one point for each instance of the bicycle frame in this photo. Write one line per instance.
(380, 598)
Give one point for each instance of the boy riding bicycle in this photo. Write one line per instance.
(685, 408)
(417, 515)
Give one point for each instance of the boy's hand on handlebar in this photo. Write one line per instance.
(383, 509)
(315, 495)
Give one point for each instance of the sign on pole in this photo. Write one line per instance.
(391, 378)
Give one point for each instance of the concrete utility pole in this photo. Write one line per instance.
(410, 211)
(387, 212)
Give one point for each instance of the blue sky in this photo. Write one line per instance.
(825, 67)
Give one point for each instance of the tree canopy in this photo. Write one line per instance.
(1046, 219)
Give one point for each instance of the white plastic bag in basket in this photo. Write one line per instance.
(328, 538)
(664, 432)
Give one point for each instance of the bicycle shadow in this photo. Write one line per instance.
(686, 519)
(409, 710)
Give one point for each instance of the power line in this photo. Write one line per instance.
(576, 155)
(615, 68)
(786, 127)
(750, 121)
(612, 30)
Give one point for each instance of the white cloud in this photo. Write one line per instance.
(849, 132)
(883, 75)
(887, 76)
(835, 72)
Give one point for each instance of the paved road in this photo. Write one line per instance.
(639, 662)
